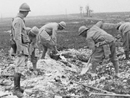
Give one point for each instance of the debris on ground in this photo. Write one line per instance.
(62, 79)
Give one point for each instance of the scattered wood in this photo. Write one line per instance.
(6, 76)
(102, 94)
(94, 88)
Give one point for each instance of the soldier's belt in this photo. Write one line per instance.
(103, 43)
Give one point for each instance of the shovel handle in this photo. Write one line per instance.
(89, 60)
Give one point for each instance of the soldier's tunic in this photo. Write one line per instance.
(124, 31)
(20, 37)
(47, 37)
(95, 35)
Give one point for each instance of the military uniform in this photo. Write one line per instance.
(102, 45)
(33, 46)
(21, 39)
(47, 38)
(106, 26)
(33, 56)
(124, 30)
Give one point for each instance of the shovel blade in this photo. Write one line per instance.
(85, 69)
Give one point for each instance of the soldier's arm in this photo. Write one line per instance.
(109, 26)
(17, 28)
(54, 35)
(99, 24)
(106, 26)
(90, 43)
(54, 38)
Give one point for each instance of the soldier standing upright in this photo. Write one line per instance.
(21, 40)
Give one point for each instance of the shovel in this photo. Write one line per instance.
(61, 56)
(58, 56)
(86, 67)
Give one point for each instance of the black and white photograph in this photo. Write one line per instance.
(64, 48)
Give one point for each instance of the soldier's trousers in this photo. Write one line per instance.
(98, 57)
(33, 59)
(45, 43)
(126, 43)
(20, 64)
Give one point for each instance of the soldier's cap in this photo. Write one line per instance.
(35, 30)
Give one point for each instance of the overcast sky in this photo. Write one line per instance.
(9, 8)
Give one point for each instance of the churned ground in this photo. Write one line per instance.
(61, 78)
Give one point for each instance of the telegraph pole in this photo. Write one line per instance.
(81, 10)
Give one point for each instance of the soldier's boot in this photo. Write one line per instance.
(44, 53)
(93, 70)
(18, 91)
(48, 53)
(116, 66)
(127, 55)
(34, 61)
(34, 66)
(94, 67)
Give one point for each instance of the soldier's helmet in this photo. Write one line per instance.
(35, 30)
(82, 29)
(24, 7)
(119, 24)
(63, 24)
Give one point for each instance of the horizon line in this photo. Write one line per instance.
(69, 14)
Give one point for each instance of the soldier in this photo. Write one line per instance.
(102, 45)
(21, 40)
(47, 37)
(124, 31)
(32, 49)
